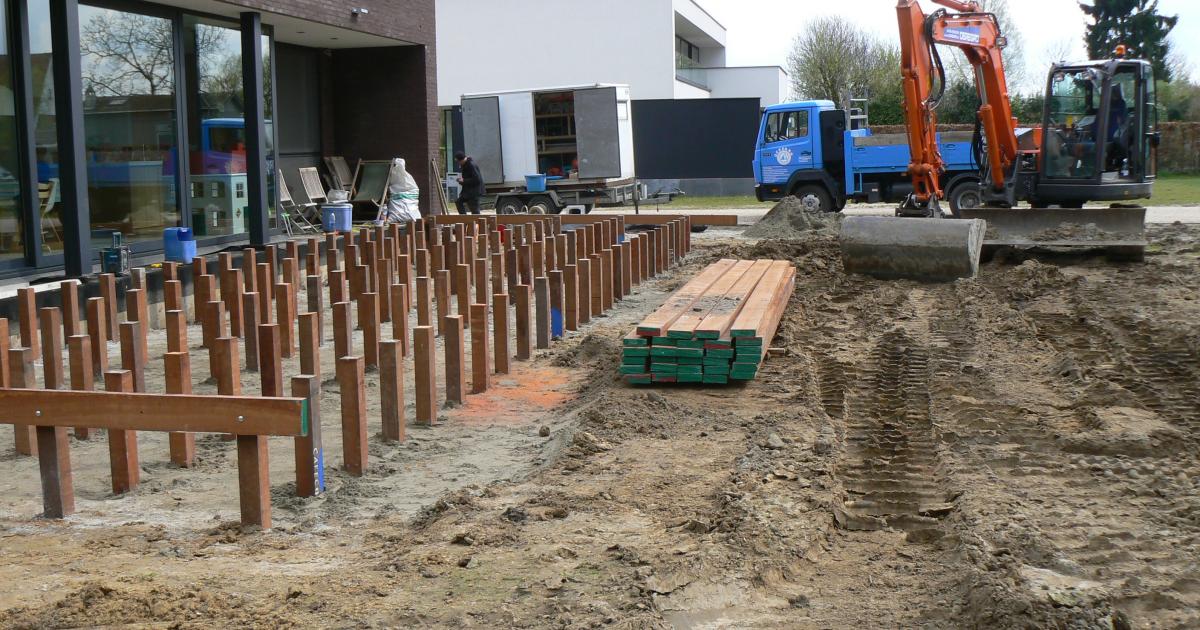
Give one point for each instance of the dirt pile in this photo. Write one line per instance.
(789, 220)
(1074, 232)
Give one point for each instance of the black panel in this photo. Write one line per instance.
(693, 139)
(456, 133)
(833, 136)
(298, 104)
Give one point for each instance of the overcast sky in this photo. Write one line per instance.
(760, 32)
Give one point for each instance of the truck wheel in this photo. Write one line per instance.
(509, 205)
(542, 204)
(814, 199)
(965, 195)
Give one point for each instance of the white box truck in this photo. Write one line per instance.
(581, 137)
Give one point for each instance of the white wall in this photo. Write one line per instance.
(687, 90)
(768, 83)
(700, 18)
(492, 46)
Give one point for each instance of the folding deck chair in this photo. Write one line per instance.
(343, 177)
(292, 214)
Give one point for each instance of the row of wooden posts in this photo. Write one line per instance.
(454, 271)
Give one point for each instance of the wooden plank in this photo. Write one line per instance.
(684, 326)
(354, 414)
(659, 321)
(717, 323)
(131, 411)
(767, 296)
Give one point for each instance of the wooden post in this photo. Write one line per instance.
(250, 323)
(316, 305)
(270, 366)
(249, 270)
(79, 350)
(224, 360)
(391, 390)
(607, 274)
(557, 297)
(497, 269)
(354, 414)
(503, 359)
(27, 317)
(122, 444)
(524, 294)
(479, 349)
(136, 311)
(254, 483)
(597, 281)
(383, 292)
(69, 291)
(541, 296)
(132, 354)
(456, 376)
(286, 318)
(52, 345)
(54, 464)
(21, 365)
(98, 331)
(368, 320)
(337, 286)
(266, 291)
(310, 351)
(425, 374)
(231, 295)
(400, 316)
(178, 368)
(424, 301)
(343, 331)
(584, 289)
(441, 286)
(482, 296)
(310, 452)
(626, 268)
(108, 292)
(570, 297)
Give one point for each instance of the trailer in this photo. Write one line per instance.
(580, 138)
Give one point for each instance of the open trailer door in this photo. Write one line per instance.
(597, 137)
(481, 136)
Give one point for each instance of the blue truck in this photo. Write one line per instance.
(811, 150)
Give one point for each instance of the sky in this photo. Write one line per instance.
(760, 32)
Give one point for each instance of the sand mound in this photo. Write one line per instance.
(789, 220)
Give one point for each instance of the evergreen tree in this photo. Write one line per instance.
(1134, 23)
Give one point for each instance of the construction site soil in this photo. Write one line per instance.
(1019, 450)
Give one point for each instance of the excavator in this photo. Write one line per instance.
(1097, 142)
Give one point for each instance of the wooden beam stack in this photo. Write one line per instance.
(714, 329)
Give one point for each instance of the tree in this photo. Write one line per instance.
(836, 60)
(1134, 23)
(127, 54)
(1014, 53)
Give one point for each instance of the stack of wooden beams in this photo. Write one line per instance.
(714, 329)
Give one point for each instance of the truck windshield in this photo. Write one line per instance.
(1074, 121)
(786, 126)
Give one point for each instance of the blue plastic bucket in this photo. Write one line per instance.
(179, 245)
(337, 217)
(535, 183)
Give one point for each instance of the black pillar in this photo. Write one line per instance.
(74, 212)
(256, 131)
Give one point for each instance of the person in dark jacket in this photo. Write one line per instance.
(471, 184)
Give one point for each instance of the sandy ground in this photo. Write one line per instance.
(748, 215)
(1013, 451)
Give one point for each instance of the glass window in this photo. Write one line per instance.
(11, 242)
(771, 134)
(129, 118)
(795, 124)
(45, 137)
(217, 126)
(1121, 132)
(1071, 137)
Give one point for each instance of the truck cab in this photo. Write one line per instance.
(792, 156)
(812, 150)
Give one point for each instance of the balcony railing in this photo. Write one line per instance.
(697, 77)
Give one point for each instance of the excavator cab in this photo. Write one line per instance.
(1099, 134)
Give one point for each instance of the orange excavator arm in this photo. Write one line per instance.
(978, 35)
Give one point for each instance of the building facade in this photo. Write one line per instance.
(126, 117)
(669, 52)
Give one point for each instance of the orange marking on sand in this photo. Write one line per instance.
(517, 398)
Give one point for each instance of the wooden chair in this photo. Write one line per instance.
(51, 225)
(296, 218)
(311, 180)
(343, 177)
(371, 183)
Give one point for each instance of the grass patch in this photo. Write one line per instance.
(1175, 190)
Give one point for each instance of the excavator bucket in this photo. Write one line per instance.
(1120, 231)
(932, 250)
